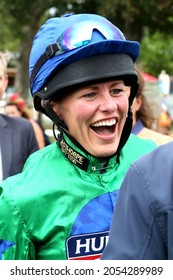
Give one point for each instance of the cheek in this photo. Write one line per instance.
(82, 111)
(123, 106)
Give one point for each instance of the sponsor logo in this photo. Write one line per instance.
(87, 246)
(75, 157)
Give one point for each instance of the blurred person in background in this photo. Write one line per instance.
(165, 119)
(145, 120)
(17, 107)
(164, 83)
(17, 138)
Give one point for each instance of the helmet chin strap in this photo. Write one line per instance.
(53, 116)
(126, 131)
(129, 120)
(59, 123)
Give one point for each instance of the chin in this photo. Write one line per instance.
(105, 154)
(103, 151)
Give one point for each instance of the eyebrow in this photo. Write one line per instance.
(112, 83)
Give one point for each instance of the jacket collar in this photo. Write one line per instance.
(83, 160)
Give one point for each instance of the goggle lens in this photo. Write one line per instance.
(80, 34)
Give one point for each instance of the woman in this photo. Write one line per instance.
(85, 82)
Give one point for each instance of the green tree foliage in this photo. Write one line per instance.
(133, 16)
(157, 53)
(20, 20)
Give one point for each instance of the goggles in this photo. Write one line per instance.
(80, 34)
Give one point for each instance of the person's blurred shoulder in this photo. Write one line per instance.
(155, 136)
(135, 141)
(17, 124)
(155, 169)
(40, 158)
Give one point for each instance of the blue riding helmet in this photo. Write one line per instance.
(75, 50)
(64, 40)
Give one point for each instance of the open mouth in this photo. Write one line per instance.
(106, 127)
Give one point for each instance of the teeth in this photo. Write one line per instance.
(105, 123)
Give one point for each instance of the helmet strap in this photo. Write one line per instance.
(53, 116)
(50, 51)
(126, 131)
(129, 120)
(133, 93)
(58, 123)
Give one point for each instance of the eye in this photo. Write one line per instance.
(116, 91)
(89, 95)
(119, 90)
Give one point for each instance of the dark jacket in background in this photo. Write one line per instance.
(142, 225)
(17, 142)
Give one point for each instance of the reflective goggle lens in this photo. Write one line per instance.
(80, 34)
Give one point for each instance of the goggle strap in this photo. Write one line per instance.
(50, 51)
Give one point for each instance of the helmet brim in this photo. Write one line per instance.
(90, 70)
(94, 49)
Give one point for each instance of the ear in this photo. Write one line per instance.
(42, 103)
(138, 102)
(52, 103)
(56, 107)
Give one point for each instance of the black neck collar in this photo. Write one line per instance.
(75, 157)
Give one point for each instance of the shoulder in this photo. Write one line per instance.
(38, 162)
(35, 125)
(162, 155)
(41, 157)
(157, 137)
(155, 172)
(14, 122)
(40, 174)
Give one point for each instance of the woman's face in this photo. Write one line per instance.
(95, 115)
(12, 111)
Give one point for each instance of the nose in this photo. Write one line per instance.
(108, 103)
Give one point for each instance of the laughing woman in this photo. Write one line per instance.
(83, 78)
